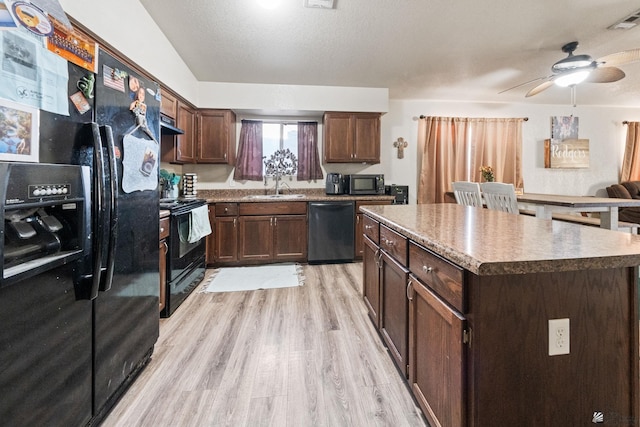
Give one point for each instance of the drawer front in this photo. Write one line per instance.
(444, 278)
(226, 209)
(371, 229)
(270, 208)
(394, 244)
(164, 228)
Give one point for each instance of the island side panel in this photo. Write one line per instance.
(516, 382)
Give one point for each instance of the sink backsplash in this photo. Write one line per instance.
(211, 194)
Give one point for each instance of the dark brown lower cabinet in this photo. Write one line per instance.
(371, 280)
(226, 243)
(290, 238)
(271, 232)
(273, 238)
(394, 314)
(256, 238)
(436, 357)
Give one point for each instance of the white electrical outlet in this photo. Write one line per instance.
(558, 337)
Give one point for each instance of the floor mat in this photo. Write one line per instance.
(230, 279)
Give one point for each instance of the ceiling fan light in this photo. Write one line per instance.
(571, 79)
(572, 61)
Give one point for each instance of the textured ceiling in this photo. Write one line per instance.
(419, 49)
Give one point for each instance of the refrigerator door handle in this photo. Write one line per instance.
(107, 134)
(97, 213)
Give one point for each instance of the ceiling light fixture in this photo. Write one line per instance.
(571, 62)
(321, 4)
(573, 78)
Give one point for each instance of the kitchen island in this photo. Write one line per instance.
(463, 297)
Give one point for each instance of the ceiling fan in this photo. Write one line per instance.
(576, 69)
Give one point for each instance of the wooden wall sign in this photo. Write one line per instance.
(566, 153)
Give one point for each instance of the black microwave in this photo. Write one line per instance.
(364, 184)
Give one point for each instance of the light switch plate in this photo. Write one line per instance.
(559, 342)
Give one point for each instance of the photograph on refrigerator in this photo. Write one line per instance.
(18, 132)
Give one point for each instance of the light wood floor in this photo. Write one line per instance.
(304, 356)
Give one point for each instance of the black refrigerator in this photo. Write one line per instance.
(79, 333)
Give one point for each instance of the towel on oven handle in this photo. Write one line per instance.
(199, 226)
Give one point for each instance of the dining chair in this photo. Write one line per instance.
(500, 196)
(467, 193)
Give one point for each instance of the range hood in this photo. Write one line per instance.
(167, 126)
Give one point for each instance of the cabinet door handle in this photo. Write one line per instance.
(368, 227)
(161, 230)
(409, 293)
(225, 156)
(275, 221)
(379, 259)
(234, 221)
(427, 269)
(389, 242)
(166, 247)
(226, 210)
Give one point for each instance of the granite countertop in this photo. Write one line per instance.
(310, 195)
(487, 242)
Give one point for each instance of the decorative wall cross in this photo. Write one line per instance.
(400, 144)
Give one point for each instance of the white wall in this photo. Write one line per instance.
(601, 125)
(278, 99)
(126, 25)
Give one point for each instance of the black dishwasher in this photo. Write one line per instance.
(331, 231)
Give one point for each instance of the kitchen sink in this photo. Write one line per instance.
(274, 196)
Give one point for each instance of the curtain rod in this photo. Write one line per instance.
(526, 119)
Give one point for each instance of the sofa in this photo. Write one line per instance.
(626, 190)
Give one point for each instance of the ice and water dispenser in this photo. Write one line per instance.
(45, 212)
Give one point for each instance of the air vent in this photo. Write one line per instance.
(627, 23)
(319, 4)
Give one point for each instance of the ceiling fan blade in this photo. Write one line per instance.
(605, 75)
(621, 58)
(523, 84)
(542, 86)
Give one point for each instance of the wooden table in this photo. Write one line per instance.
(547, 204)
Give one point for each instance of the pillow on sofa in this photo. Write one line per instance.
(634, 188)
(618, 191)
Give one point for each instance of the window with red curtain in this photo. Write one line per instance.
(308, 156)
(249, 160)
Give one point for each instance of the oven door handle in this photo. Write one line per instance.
(107, 136)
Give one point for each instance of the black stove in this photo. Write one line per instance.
(186, 261)
(181, 204)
